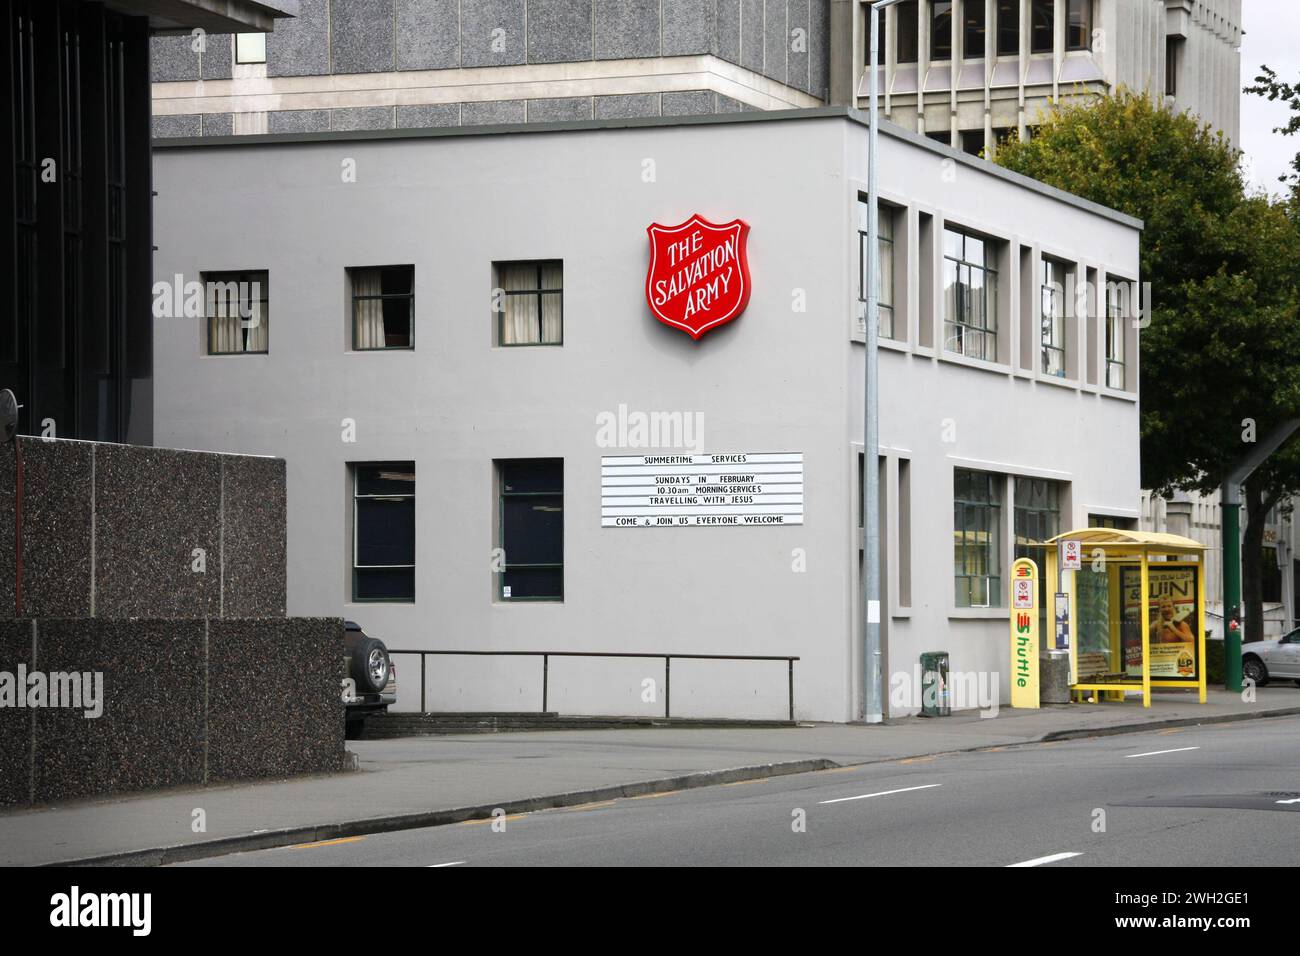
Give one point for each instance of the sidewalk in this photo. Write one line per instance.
(430, 780)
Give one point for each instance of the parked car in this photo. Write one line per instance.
(1275, 659)
(373, 677)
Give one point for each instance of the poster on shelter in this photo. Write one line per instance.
(1170, 617)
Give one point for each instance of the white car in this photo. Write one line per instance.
(1278, 659)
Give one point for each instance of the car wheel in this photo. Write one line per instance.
(370, 666)
(1253, 668)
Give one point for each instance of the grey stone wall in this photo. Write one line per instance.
(185, 703)
(110, 531)
(783, 39)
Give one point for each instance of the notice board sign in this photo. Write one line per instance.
(693, 491)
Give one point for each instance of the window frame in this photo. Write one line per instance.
(1053, 320)
(353, 298)
(885, 218)
(989, 331)
(355, 469)
(540, 291)
(969, 30)
(995, 483)
(907, 29)
(501, 465)
(1116, 335)
(1037, 10)
(941, 13)
(1084, 6)
(240, 277)
(1005, 30)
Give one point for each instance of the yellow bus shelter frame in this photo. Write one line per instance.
(1127, 546)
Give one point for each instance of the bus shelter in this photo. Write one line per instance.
(1130, 610)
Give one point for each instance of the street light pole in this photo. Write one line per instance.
(872, 709)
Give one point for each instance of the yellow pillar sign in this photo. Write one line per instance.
(1024, 634)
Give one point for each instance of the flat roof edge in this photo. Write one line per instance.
(649, 122)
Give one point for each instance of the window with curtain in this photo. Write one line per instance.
(970, 280)
(238, 312)
(886, 286)
(1042, 26)
(941, 30)
(383, 531)
(1115, 313)
(383, 307)
(531, 529)
(1008, 13)
(973, 29)
(1053, 318)
(1078, 24)
(531, 296)
(977, 537)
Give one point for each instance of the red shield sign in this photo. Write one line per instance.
(699, 274)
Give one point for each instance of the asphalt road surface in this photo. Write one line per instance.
(1221, 795)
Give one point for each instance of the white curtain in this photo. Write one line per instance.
(256, 317)
(223, 326)
(368, 314)
(519, 323)
(552, 303)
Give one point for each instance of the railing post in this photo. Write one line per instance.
(546, 670)
(423, 661)
(791, 663)
(668, 685)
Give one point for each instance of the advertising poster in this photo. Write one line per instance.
(1169, 617)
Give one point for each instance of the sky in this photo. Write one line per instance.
(1272, 29)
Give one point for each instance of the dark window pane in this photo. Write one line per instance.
(532, 474)
(397, 323)
(385, 584)
(385, 531)
(386, 479)
(906, 14)
(941, 30)
(973, 14)
(1042, 18)
(533, 529)
(397, 280)
(533, 582)
(1078, 27)
(1008, 27)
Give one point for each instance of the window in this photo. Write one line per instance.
(970, 281)
(977, 524)
(250, 47)
(1110, 521)
(1052, 292)
(905, 16)
(1078, 24)
(1037, 520)
(531, 517)
(882, 50)
(972, 141)
(1042, 21)
(1173, 47)
(885, 288)
(1008, 27)
(531, 295)
(383, 531)
(973, 30)
(1115, 374)
(941, 30)
(238, 312)
(383, 307)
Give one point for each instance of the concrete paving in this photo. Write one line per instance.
(420, 775)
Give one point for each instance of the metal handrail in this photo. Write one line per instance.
(546, 666)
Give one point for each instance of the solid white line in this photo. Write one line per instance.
(434, 866)
(883, 793)
(1044, 859)
(1155, 753)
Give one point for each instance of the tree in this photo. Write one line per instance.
(1268, 86)
(1220, 360)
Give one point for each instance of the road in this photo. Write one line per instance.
(1214, 795)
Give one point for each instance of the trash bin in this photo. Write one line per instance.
(936, 692)
(1054, 677)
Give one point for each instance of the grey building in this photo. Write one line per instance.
(383, 64)
(447, 336)
(972, 72)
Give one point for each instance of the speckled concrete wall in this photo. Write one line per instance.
(183, 703)
(139, 521)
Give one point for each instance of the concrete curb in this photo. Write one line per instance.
(290, 836)
(1171, 722)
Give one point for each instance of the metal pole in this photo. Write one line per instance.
(423, 660)
(546, 671)
(668, 686)
(871, 702)
(791, 664)
(1231, 592)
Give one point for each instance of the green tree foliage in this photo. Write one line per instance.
(1220, 359)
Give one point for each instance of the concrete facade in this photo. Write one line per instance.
(969, 102)
(785, 376)
(376, 64)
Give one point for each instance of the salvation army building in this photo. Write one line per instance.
(598, 387)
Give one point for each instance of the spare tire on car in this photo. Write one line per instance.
(370, 665)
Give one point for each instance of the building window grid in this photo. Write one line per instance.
(977, 523)
(1053, 318)
(885, 288)
(362, 475)
(545, 284)
(970, 296)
